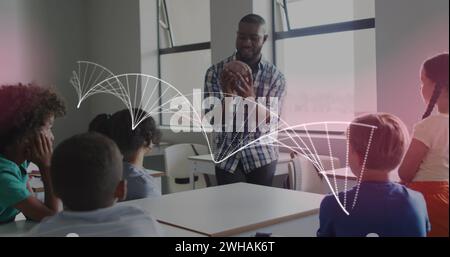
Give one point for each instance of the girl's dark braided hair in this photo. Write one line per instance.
(118, 128)
(436, 69)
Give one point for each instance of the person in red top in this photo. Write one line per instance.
(425, 166)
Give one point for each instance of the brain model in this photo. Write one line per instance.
(238, 67)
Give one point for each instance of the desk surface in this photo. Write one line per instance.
(22, 227)
(37, 185)
(283, 157)
(216, 211)
(155, 173)
(158, 150)
(16, 229)
(230, 209)
(340, 173)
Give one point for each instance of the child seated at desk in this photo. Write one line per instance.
(382, 207)
(27, 113)
(133, 144)
(86, 175)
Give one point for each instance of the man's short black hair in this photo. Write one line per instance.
(85, 171)
(253, 19)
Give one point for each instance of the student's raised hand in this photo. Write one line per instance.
(41, 150)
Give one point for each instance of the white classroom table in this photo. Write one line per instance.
(204, 164)
(22, 227)
(38, 187)
(158, 150)
(340, 173)
(337, 179)
(238, 209)
(231, 210)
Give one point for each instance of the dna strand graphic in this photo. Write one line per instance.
(152, 96)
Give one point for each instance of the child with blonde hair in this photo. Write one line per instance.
(377, 205)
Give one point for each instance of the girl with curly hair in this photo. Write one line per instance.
(27, 113)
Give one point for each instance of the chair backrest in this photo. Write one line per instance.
(305, 175)
(176, 160)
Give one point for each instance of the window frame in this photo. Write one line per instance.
(172, 50)
(353, 25)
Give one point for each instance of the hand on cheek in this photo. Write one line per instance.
(41, 150)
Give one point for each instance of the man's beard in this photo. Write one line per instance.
(249, 57)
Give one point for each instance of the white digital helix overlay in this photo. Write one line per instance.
(156, 95)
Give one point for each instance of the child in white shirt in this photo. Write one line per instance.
(425, 166)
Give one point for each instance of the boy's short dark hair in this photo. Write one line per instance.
(388, 143)
(85, 171)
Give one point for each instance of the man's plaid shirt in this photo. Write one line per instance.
(268, 82)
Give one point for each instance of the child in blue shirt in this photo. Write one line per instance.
(133, 144)
(86, 175)
(377, 206)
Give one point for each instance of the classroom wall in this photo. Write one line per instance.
(225, 16)
(47, 38)
(113, 37)
(398, 23)
(264, 8)
(407, 32)
(148, 37)
(13, 67)
(122, 36)
(224, 24)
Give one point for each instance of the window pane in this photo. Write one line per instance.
(185, 71)
(326, 73)
(307, 13)
(189, 22)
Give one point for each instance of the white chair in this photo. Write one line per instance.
(178, 166)
(303, 175)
